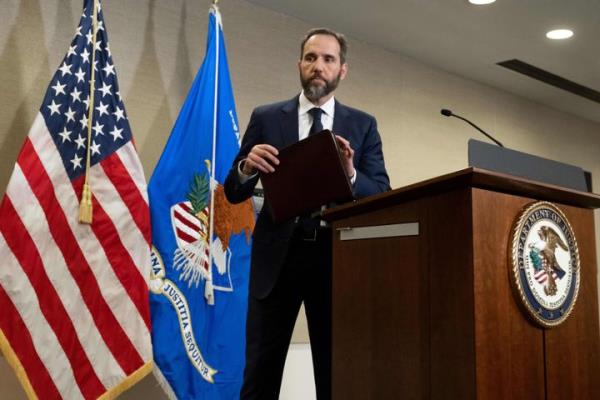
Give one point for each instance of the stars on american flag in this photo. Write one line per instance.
(85, 56)
(109, 69)
(76, 161)
(98, 129)
(65, 69)
(89, 37)
(105, 89)
(54, 108)
(102, 109)
(70, 114)
(80, 141)
(71, 51)
(65, 135)
(80, 75)
(119, 114)
(116, 133)
(75, 95)
(66, 106)
(95, 148)
(58, 88)
(83, 121)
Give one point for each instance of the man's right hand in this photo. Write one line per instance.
(262, 157)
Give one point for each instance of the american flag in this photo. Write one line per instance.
(75, 320)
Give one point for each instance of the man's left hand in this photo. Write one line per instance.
(347, 154)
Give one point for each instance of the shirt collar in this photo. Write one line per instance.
(305, 105)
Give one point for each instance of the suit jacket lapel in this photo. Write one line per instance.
(289, 122)
(340, 120)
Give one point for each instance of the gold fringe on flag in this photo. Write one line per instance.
(85, 205)
(131, 380)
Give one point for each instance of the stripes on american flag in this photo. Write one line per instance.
(75, 320)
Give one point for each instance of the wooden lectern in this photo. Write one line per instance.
(422, 302)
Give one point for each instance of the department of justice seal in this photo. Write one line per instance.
(545, 272)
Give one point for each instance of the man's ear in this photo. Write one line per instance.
(343, 71)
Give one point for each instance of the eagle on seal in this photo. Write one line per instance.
(552, 240)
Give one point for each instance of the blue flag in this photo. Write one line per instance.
(201, 254)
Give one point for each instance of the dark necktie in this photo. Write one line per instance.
(317, 126)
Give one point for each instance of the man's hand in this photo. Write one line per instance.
(262, 157)
(347, 154)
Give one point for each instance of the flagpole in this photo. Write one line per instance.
(85, 206)
(209, 290)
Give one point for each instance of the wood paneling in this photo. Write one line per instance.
(380, 313)
(573, 348)
(510, 350)
(447, 239)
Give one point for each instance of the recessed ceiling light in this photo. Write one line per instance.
(558, 34)
(481, 2)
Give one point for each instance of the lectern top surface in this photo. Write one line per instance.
(469, 177)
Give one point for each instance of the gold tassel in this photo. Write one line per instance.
(85, 206)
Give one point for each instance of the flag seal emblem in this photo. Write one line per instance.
(190, 221)
(545, 273)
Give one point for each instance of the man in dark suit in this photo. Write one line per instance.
(291, 261)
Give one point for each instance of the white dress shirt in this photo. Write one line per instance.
(305, 120)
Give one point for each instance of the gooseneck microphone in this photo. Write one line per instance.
(447, 113)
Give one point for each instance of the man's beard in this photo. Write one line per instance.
(314, 92)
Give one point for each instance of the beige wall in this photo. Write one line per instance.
(158, 47)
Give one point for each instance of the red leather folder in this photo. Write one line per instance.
(310, 174)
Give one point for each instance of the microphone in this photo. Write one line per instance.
(447, 113)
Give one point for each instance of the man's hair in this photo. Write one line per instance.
(326, 31)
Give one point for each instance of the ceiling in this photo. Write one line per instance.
(469, 40)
